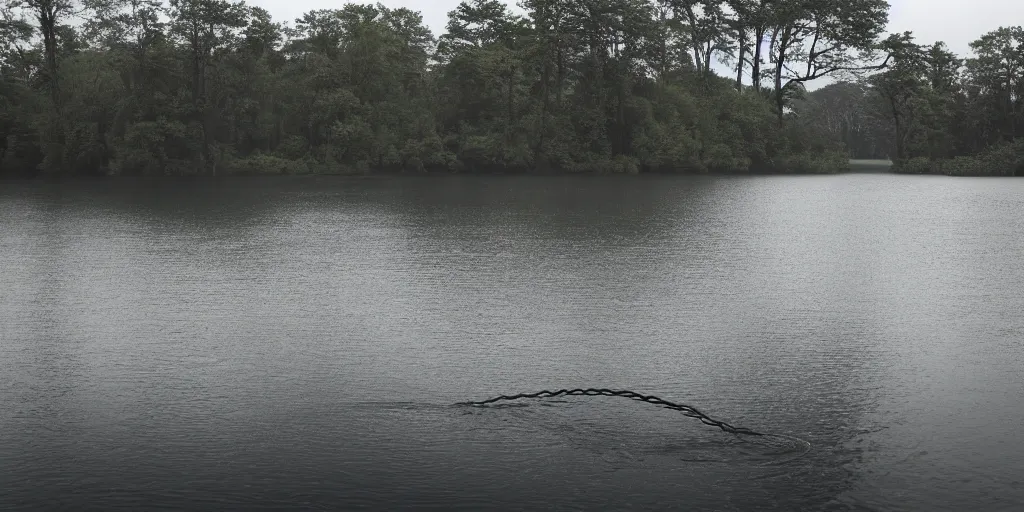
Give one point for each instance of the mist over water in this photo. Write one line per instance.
(253, 343)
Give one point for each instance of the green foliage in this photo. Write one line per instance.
(1004, 159)
(915, 165)
(141, 87)
(153, 148)
(260, 164)
(828, 162)
(934, 112)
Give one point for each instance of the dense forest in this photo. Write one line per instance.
(142, 87)
(932, 111)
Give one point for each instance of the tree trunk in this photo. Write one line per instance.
(47, 17)
(561, 76)
(509, 106)
(898, 124)
(539, 156)
(739, 65)
(620, 119)
(707, 60)
(663, 56)
(897, 121)
(48, 26)
(780, 95)
(755, 73)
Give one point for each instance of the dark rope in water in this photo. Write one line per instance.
(687, 410)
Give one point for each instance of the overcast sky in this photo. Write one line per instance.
(957, 22)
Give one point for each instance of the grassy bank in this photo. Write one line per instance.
(802, 163)
(868, 166)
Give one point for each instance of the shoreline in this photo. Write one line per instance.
(855, 167)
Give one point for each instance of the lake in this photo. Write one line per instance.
(299, 343)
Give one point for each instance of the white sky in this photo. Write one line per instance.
(957, 22)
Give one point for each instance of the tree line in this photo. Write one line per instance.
(933, 111)
(143, 87)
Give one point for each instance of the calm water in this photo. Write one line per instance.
(298, 343)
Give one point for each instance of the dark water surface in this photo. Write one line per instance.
(298, 342)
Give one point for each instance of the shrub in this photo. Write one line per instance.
(1005, 159)
(916, 165)
(261, 164)
(823, 162)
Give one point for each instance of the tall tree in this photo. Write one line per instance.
(49, 16)
(818, 38)
(997, 74)
(900, 85)
(205, 26)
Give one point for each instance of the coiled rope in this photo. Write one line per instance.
(687, 410)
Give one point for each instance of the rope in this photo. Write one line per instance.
(632, 395)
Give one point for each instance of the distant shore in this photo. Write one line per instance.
(869, 166)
